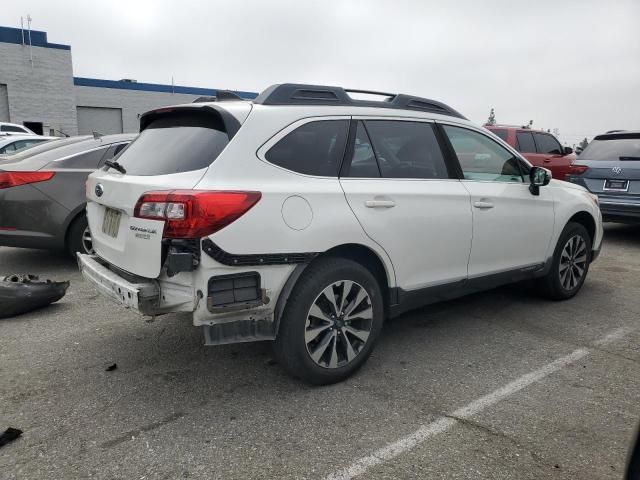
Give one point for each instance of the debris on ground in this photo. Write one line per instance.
(23, 293)
(111, 367)
(9, 435)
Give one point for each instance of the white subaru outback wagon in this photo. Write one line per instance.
(307, 216)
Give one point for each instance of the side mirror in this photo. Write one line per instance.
(538, 177)
(567, 151)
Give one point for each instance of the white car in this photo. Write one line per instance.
(16, 143)
(308, 217)
(14, 129)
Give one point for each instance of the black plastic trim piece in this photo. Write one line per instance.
(230, 259)
(406, 300)
(449, 153)
(301, 94)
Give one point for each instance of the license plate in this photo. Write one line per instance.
(619, 185)
(111, 222)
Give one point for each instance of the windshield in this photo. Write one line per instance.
(174, 143)
(620, 148)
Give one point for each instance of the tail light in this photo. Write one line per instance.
(194, 213)
(14, 179)
(577, 169)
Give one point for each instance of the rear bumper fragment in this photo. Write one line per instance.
(143, 295)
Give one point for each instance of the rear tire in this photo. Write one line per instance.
(570, 264)
(324, 340)
(79, 237)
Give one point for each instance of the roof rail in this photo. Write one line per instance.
(505, 125)
(301, 94)
(220, 96)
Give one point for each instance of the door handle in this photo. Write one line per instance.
(379, 203)
(483, 205)
(547, 160)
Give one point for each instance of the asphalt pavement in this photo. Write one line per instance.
(498, 385)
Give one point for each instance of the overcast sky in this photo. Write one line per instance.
(571, 65)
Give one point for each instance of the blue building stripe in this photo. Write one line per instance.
(38, 39)
(152, 87)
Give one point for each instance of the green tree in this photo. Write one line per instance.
(492, 118)
(583, 144)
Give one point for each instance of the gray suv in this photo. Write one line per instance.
(42, 192)
(610, 168)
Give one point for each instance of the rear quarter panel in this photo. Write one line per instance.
(263, 228)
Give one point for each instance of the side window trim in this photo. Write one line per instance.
(350, 148)
(510, 149)
(375, 155)
(450, 157)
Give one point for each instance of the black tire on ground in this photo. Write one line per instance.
(290, 346)
(551, 285)
(75, 234)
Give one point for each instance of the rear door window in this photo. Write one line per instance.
(525, 143)
(315, 148)
(176, 142)
(8, 148)
(87, 160)
(500, 133)
(407, 149)
(545, 143)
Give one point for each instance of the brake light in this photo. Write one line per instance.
(14, 179)
(577, 169)
(194, 213)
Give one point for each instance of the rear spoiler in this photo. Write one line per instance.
(231, 123)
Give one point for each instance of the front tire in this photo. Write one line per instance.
(331, 322)
(570, 264)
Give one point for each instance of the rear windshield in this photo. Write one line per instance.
(616, 148)
(176, 142)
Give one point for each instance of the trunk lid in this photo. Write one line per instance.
(173, 152)
(131, 244)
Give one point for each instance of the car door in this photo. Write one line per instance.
(407, 199)
(512, 227)
(553, 156)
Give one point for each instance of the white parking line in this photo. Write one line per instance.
(443, 424)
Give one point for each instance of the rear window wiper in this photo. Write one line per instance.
(629, 158)
(116, 166)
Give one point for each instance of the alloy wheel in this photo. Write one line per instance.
(573, 262)
(87, 241)
(338, 324)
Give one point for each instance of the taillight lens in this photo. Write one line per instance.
(14, 179)
(577, 169)
(194, 213)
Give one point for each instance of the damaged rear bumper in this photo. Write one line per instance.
(141, 295)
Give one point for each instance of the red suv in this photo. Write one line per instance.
(540, 148)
